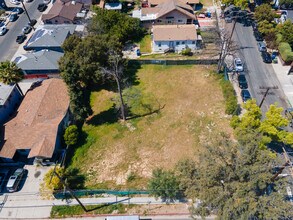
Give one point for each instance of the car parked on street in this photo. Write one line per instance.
(20, 38)
(254, 26)
(42, 7)
(266, 57)
(26, 29)
(14, 180)
(242, 82)
(3, 30)
(245, 95)
(15, 2)
(261, 46)
(257, 35)
(13, 17)
(18, 10)
(238, 65)
(46, 1)
(228, 19)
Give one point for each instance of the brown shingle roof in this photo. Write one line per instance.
(174, 32)
(65, 10)
(36, 124)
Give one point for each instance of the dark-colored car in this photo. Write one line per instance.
(254, 26)
(32, 22)
(245, 95)
(13, 17)
(18, 10)
(242, 82)
(26, 29)
(42, 7)
(14, 180)
(266, 57)
(258, 36)
(20, 38)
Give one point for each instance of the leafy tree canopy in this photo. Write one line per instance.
(286, 3)
(71, 135)
(10, 73)
(235, 180)
(286, 30)
(266, 27)
(112, 23)
(264, 12)
(164, 184)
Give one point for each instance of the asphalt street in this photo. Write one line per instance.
(8, 45)
(259, 74)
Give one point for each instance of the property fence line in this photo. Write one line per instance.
(175, 62)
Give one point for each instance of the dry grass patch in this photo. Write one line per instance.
(115, 155)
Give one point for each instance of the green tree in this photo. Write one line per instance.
(164, 184)
(71, 135)
(10, 73)
(286, 30)
(286, 3)
(264, 12)
(52, 181)
(236, 180)
(266, 27)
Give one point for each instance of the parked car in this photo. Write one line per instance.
(46, 1)
(245, 95)
(242, 82)
(238, 65)
(26, 29)
(13, 17)
(266, 57)
(228, 19)
(257, 36)
(32, 22)
(14, 180)
(15, 2)
(261, 46)
(20, 38)
(42, 7)
(28, 1)
(18, 10)
(254, 25)
(3, 30)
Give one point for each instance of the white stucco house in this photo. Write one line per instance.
(175, 37)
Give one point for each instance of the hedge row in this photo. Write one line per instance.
(231, 104)
(285, 51)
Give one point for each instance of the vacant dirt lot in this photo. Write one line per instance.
(124, 155)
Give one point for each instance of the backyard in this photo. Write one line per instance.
(117, 155)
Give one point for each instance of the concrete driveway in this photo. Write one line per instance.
(27, 197)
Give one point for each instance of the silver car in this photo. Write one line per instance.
(14, 180)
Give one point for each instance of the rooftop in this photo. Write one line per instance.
(40, 60)
(50, 35)
(157, 2)
(36, 124)
(174, 32)
(5, 91)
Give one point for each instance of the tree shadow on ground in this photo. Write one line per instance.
(75, 179)
(109, 116)
(156, 111)
(130, 73)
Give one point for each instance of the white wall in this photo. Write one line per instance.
(161, 46)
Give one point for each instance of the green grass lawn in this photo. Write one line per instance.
(119, 155)
(145, 44)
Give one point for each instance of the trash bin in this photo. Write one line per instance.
(138, 52)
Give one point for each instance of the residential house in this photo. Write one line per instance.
(62, 13)
(10, 97)
(175, 38)
(49, 37)
(85, 3)
(154, 3)
(34, 133)
(169, 12)
(39, 62)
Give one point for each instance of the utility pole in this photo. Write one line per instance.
(26, 12)
(266, 93)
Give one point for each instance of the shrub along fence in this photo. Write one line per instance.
(176, 62)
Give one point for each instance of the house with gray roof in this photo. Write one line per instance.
(49, 37)
(39, 62)
(10, 98)
(168, 13)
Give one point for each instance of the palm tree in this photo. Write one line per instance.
(10, 73)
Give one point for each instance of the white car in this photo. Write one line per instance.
(3, 30)
(15, 2)
(238, 65)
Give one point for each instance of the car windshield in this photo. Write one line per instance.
(13, 177)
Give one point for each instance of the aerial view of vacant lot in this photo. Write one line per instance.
(122, 155)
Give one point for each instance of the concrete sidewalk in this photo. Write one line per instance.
(285, 80)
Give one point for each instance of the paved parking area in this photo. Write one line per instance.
(28, 197)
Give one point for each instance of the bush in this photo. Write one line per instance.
(286, 52)
(231, 104)
(186, 52)
(279, 38)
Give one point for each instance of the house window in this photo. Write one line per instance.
(183, 42)
(193, 42)
(56, 21)
(169, 17)
(177, 43)
(159, 44)
(159, 21)
(180, 21)
(169, 22)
